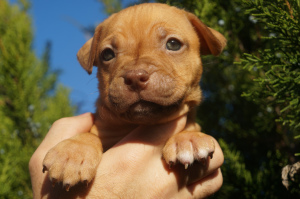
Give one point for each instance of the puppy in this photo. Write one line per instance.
(149, 68)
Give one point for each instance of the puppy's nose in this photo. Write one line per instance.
(136, 79)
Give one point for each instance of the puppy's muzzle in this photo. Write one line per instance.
(136, 80)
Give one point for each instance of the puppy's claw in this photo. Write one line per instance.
(86, 183)
(54, 181)
(67, 187)
(171, 164)
(44, 168)
(186, 165)
(203, 161)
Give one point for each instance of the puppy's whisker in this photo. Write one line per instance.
(91, 79)
(209, 63)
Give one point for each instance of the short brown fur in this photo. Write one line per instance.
(144, 84)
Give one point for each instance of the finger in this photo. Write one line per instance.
(70, 126)
(203, 188)
(65, 128)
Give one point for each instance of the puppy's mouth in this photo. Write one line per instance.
(148, 112)
(145, 101)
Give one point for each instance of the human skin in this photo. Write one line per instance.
(133, 168)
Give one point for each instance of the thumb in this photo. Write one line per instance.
(67, 127)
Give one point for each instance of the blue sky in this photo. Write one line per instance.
(52, 22)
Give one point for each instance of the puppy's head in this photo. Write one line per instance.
(148, 59)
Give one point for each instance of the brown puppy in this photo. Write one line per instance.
(149, 68)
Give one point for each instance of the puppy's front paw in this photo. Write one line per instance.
(73, 160)
(186, 147)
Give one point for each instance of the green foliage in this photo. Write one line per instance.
(278, 62)
(30, 101)
(111, 6)
(235, 173)
(114, 6)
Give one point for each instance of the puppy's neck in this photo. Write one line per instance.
(109, 127)
(109, 123)
(184, 109)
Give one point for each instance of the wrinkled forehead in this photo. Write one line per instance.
(141, 21)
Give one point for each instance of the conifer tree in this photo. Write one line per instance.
(30, 99)
(278, 62)
(277, 66)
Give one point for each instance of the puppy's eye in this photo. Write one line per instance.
(107, 54)
(173, 44)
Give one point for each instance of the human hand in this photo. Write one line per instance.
(133, 168)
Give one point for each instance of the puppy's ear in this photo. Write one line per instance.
(87, 53)
(211, 41)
